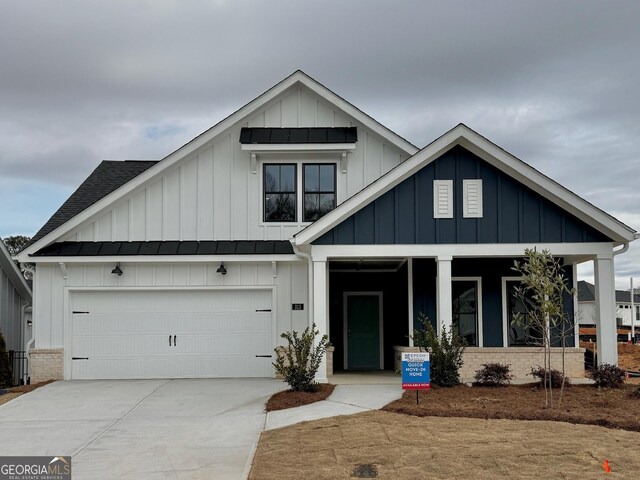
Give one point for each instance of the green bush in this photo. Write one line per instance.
(298, 363)
(445, 352)
(555, 375)
(493, 375)
(607, 376)
(6, 374)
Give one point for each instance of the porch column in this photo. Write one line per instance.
(320, 311)
(410, 298)
(445, 312)
(606, 328)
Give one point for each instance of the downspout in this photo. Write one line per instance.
(32, 340)
(306, 256)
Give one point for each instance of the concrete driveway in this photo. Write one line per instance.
(178, 429)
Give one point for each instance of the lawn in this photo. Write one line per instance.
(465, 432)
(406, 446)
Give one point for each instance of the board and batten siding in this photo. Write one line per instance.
(511, 212)
(213, 195)
(49, 308)
(11, 303)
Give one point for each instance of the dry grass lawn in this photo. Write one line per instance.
(404, 446)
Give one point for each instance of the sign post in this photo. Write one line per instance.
(416, 373)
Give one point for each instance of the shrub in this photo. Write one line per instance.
(445, 352)
(6, 374)
(298, 363)
(556, 377)
(607, 376)
(493, 375)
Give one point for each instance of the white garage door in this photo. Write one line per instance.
(171, 334)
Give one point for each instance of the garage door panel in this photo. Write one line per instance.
(126, 334)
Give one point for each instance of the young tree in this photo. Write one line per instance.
(15, 244)
(542, 291)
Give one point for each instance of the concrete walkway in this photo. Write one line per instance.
(345, 400)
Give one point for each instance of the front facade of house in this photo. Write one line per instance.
(299, 208)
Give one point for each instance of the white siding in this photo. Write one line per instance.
(212, 194)
(49, 304)
(10, 313)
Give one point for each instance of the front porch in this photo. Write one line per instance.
(370, 305)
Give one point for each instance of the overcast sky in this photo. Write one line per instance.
(554, 83)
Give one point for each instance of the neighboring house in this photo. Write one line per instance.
(15, 299)
(300, 208)
(587, 310)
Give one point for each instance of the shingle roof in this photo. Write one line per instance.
(586, 293)
(298, 135)
(221, 247)
(107, 177)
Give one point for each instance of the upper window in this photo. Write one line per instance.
(319, 190)
(280, 193)
(286, 186)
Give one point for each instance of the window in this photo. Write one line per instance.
(280, 196)
(519, 334)
(465, 308)
(443, 199)
(319, 186)
(287, 185)
(472, 201)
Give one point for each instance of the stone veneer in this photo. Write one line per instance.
(46, 364)
(520, 359)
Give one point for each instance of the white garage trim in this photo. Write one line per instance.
(68, 321)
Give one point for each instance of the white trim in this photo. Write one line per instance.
(68, 324)
(297, 78)
(297, 147)
(320, 252)
(130, 259)
(478, 281)
(575, 319)
(494, 155)
(472, 206)
(410, 298)
(505, 313)
(345, 325)
(443, 192)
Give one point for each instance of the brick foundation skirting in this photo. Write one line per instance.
(46, 364)
(520, 359)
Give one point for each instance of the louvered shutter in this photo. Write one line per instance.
(443, 198)
(472, 193)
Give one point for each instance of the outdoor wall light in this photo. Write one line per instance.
(221, 269)
(117, 271)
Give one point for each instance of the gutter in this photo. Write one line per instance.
(307, 257)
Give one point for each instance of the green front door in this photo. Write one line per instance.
(363, 332)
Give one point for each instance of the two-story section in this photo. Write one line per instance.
(184, 267)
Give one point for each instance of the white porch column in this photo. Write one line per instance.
(445, 312)
(606, 328)
(410, 298)
(320, 310)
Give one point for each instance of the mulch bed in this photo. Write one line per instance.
(291, 399)
(8, 394)
(581, 404)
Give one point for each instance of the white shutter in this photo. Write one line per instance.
(472, 198)
(443, 199)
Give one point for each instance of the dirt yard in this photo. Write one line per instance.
(403, 446)
(582, 404)
(628, 355)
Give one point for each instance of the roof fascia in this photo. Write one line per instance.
(202, 139)
(124, 259)
(496, 156)
(14, 273)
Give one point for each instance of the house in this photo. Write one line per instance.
(300, 208)
(15, 300)
(624, 309)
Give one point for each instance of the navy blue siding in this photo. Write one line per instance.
(513, 213)
(491, 271)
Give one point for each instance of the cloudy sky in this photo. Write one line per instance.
(555, 83)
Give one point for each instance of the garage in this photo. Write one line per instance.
(171, 334)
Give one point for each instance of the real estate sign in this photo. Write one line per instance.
(416, 374)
